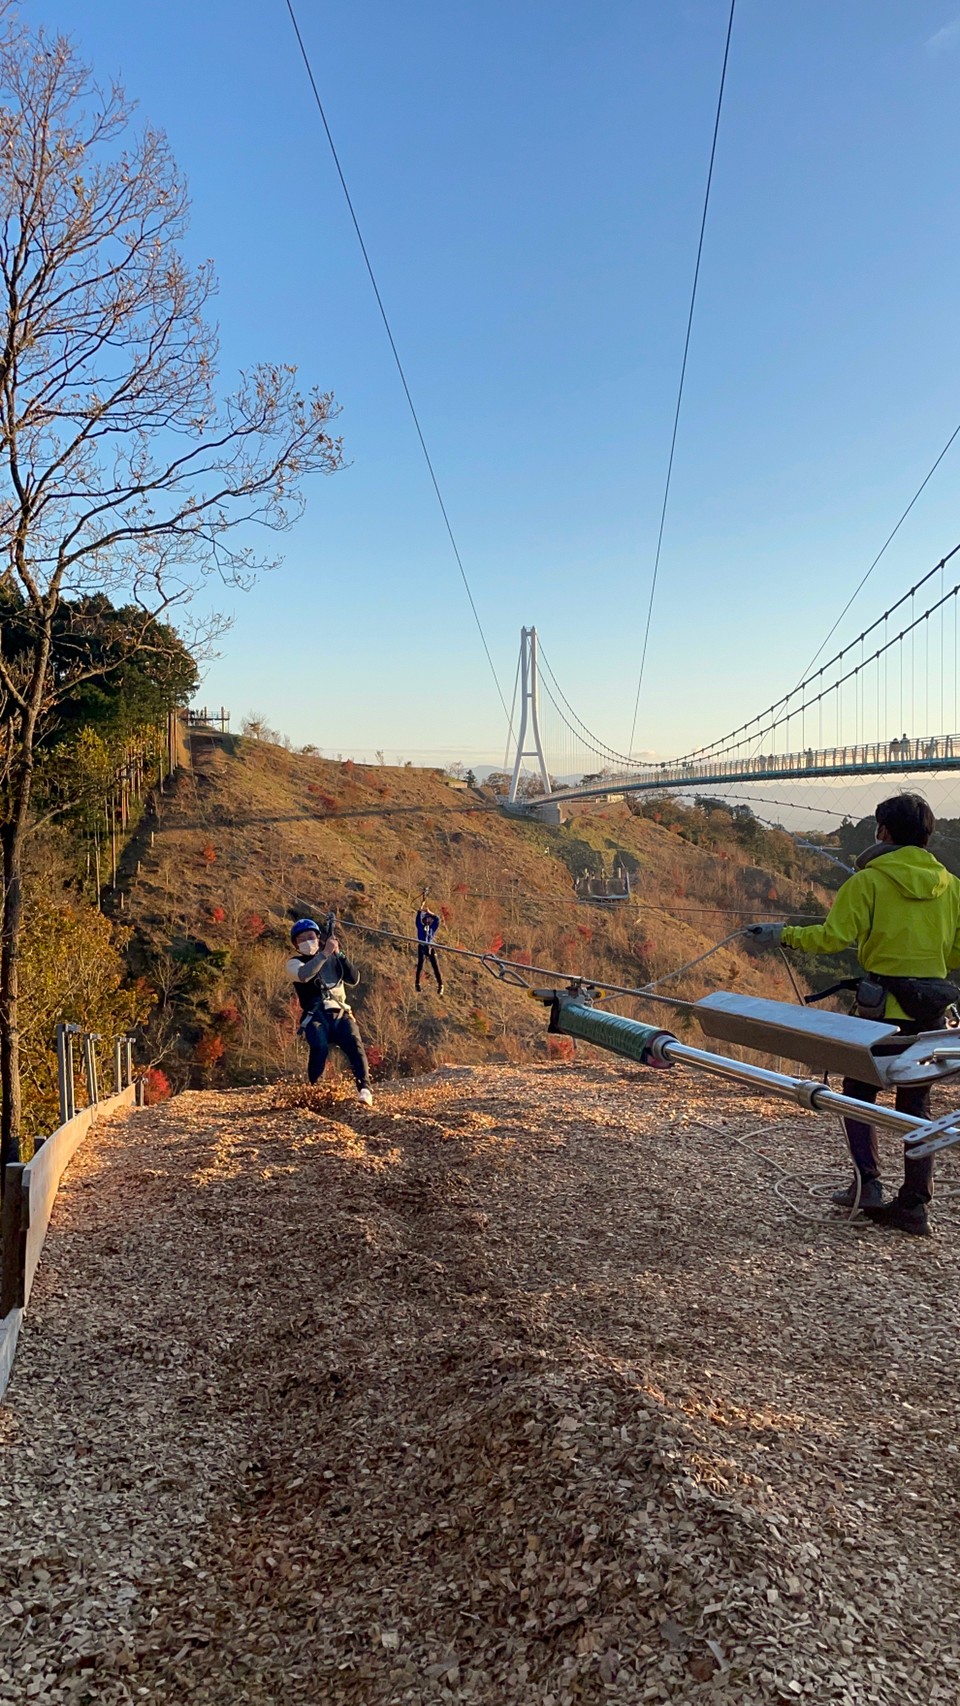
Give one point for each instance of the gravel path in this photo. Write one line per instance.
(523, 1388)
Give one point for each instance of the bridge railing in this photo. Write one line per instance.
(928, 750)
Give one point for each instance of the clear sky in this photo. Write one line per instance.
(529, 177)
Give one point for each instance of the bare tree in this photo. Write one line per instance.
(121, 469)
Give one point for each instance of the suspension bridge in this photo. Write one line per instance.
(849, 717)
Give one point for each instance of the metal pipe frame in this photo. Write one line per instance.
(572, 1016)
(808, 1092)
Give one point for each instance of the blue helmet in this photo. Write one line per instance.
(302, 926)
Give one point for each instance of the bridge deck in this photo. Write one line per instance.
(932, 754)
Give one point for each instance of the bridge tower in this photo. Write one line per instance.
(529, 713)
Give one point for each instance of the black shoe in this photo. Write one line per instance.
(871, 1195)
(899, 1218)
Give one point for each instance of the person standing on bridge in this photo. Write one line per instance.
(428, 923)
(901, 910)
(320, 974)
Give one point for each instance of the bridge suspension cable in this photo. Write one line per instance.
(399, 364)
(779, 711)
(582, 732)
(888, 541)
(683, 373)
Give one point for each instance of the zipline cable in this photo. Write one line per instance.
(396, 356)
(683, 372)
(492, 961)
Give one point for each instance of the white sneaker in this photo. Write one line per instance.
(366, 1097)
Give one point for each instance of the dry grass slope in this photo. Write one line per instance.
(246, 837)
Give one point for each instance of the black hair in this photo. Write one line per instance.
(908, 819)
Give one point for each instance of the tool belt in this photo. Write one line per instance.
(923, 999)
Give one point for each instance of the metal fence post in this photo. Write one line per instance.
(71, 1079)
(128, 1058)
(90, 1067)
(62, 1070)
(65, 1071)
(118, 1066)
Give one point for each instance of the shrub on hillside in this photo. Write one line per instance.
(72, 969)
(156, 1086)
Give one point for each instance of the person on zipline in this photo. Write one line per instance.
(901, 910)
(428, 923)
(320, 973)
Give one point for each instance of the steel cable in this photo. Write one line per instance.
(399, 364)
(683, 370)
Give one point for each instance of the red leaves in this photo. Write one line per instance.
(561, 1049)
(254, 925)
(208, 854)
(156, 1086)
(217, 914)
(209, 1049)
(445, 914)
(461, 889)
(585, 931)
(495, 945)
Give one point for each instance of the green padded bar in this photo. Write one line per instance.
(608, 1030)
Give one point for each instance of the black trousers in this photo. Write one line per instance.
(917, 1187)
(325, 1030)
(424, 953)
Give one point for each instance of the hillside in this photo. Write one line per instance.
(255, 834)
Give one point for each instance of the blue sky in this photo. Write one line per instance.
(529, 179)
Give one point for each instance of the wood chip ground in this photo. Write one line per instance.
(522, 1388)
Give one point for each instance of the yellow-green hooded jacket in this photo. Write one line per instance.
(901, 913)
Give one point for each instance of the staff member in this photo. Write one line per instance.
(901, 911)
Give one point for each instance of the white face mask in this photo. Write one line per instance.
(308, 945)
